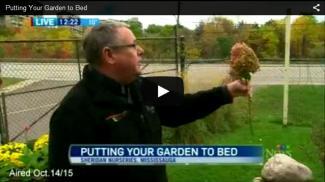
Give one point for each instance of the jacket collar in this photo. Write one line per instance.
(105, 89)
(98, 81)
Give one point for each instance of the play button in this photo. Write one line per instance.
(162, 90)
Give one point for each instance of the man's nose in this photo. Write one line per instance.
(140, 51)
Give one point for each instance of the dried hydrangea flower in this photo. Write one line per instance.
(243, 61)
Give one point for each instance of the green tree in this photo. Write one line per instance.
(159, 48)
(216, 37)
(153, 29)
(264, 41)
(319, 51)
(135, 26)
(304, 36)
(224, 46)
(279, 29)
(270, 42)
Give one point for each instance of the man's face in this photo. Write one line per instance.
(127, 56)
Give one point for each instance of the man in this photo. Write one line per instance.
(105, 107)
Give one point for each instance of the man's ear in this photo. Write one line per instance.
(108, 55)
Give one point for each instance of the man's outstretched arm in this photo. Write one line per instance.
(201, 104)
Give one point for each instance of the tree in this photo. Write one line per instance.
(198, 31)
(43, 50)
(6, 33)
(319, 51)
(224, 46)
(264, 41)
(304, 36)
(214, 32)
(153, 29)
(159, 48)
(242, 31)
(270, 42)
(279, 29)
(135, 26)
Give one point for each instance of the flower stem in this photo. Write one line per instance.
(250, 115)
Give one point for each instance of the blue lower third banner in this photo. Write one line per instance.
(164, 154)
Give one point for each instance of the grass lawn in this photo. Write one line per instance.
(306, 112)
(6, 81)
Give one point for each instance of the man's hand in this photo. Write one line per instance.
(239, 88)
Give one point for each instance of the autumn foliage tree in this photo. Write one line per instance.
(306, 36)
(39, 49)
(211, 39)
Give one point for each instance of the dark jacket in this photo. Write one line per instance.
(84, 117)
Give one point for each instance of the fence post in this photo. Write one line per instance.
(286, 71)
(176, 50)
(182, 54)
(182, 61)
(1, 126)
(78, 58)
(3, 121)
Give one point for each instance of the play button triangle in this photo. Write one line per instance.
(162, 91)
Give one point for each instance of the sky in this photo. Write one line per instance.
(191, 22)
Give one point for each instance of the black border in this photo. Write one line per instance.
(173, 7)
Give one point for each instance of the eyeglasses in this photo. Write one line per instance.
(123, 46)
(134, 45)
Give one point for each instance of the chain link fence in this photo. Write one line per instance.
(211, 74)
(38, 80)
(38, 73)
(42, 82)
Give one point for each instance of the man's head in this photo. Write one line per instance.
(112, 49)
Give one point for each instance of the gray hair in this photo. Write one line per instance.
(98, 38)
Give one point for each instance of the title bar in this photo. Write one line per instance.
(164, 154)
(161, 8)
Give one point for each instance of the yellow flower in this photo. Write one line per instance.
(11, 153)
(15, 156)
(5, 156)
(12, 146)
(14, 159)
(21, 145)
(41, 142)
